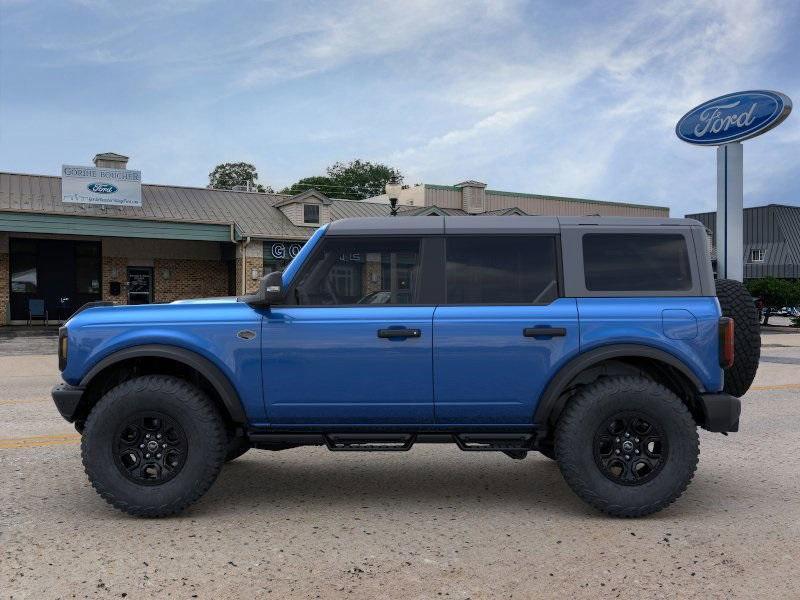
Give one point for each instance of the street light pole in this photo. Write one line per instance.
(393, 188)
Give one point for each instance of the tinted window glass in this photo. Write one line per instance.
(501, 270)
(636, 262)
(23, 266)
(87, 268)
(362, 271)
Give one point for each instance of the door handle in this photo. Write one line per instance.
(544, 331)
(399, 333)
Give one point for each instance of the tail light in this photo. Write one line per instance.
(726, 342)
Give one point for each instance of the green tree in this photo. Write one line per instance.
(774, 293)
(228, 175)
(318, 182)
(363, 179)
(354, 180)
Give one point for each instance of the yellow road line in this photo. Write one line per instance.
(24, 401)
(40, 440)
(785, 386)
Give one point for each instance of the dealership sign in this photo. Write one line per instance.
(93, 185)
(733, 117)
(280, 250)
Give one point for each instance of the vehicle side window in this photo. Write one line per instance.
(501, 270)
(636, 262)
(362, 271)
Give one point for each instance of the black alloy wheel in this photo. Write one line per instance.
(630, 448)
(150, 448)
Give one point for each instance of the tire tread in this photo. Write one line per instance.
(573, 418)
(203, 411)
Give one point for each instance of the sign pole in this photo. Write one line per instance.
(730, 204)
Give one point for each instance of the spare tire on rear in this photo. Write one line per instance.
(737, 303)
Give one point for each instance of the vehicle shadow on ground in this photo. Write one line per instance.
(336, 486)
(397, 483)
(310, 483)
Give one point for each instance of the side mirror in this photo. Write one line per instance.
(270, 291)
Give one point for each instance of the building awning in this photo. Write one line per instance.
(111, 227)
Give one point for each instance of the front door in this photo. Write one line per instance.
(140, 285)
(354, 344)
(503, 330)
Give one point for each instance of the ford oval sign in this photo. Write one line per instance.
(101, 188)
(733, 117)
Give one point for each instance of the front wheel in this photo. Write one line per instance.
(153, 445)
(627, 445)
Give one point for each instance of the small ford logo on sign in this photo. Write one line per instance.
(733, 117)
(101, 188)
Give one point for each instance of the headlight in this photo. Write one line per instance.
(62, 348)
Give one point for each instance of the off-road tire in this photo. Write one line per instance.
(236, 446)
(586, 413)
(186, 405)
(737, 303)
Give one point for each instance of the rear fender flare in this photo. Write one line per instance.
(549, 403)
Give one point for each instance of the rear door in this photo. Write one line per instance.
(354, 346)
(503, 331)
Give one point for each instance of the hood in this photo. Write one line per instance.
(174, 312)
(214, 300)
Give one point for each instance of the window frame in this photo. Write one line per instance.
(319, 213)
(762, 255)
(555, 238)
(574, 271)
(428, 256)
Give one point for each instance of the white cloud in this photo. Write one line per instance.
(596, 102)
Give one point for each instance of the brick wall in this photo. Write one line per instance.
(250, 264)
(254, 259)
(188, 278)
(115, 269)
(4, 288)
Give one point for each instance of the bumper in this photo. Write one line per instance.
(721, 412)
(67, 399)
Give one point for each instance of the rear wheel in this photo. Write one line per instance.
(737, 303)
(627, 445)
(153, 445)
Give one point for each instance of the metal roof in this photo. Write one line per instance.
(773, 228)
(345, 209)
(253, 213)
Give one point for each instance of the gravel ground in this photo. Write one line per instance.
(431, 523)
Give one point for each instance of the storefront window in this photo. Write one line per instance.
(24, 275)
(87, 268)
(277, 255)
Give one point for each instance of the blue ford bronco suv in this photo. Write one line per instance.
(602, 343)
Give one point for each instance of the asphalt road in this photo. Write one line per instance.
(431, 523)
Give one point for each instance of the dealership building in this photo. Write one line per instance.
(60, 249)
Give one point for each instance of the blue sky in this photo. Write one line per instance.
(564, 98)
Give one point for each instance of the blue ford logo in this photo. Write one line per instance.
(733, 117)
(101, 188)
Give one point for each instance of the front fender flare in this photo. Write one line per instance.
(549, 401)
(218, 380)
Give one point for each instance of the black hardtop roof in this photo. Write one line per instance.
(488, 224)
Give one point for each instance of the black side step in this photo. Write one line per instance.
(495, 442)
(373, 442)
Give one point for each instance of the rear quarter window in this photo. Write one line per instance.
(636, 262)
